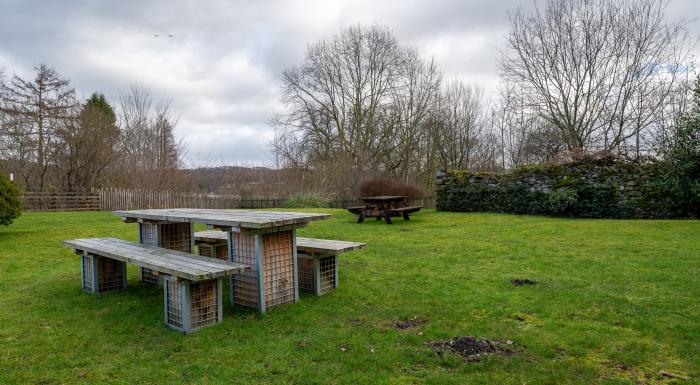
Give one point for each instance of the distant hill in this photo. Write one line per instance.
(238, 180)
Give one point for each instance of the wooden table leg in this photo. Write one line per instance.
(385, 211)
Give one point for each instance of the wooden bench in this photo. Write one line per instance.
(404, 211)
(357, 209)
(316, 258)
(192, 285)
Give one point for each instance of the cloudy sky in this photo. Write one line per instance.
(221, 67)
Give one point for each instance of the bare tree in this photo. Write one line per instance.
(412, 101)
(150, 154)
(356, 107)
(596, 69)
(35, 110)
(460, 123)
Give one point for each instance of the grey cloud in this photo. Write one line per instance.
(221, 69)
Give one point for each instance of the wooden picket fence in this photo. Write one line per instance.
(45, 201)
(125, 199)
(109, 199)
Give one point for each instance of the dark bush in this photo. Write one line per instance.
(387, 186)
(10, 203)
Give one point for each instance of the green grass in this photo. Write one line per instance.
(617, 302)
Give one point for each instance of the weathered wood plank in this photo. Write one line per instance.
(178, 264)
(235, 218)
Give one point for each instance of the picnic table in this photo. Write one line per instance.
(264, 240)
(384, 207)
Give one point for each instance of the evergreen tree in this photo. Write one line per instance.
(88, 145)
(684, 156)
(99, 102)
(10, 204)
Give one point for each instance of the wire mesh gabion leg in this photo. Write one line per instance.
(189, 306)
(176, 236)
(88, 273)
(271, 280)
(173, 236)
(306, 273)
(111, 275)
(221, 251)
(101, 274)
(278, 268)
(317, 274)
(328, 274)
(175, 306)
(205, 303)
(244, 286)
(204, 249)
(148, 276)
(213, 250)
(148, 234)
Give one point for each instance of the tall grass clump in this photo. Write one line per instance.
(305, 200)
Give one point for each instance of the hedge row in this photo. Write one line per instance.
(594, 190)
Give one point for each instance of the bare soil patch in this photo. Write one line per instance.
(409, 323)
(472, 349)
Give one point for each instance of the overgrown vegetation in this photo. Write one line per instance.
(303, 200)
(683, 169)
(387, 186)
(615, 303)
(601, 188)
(10, 203)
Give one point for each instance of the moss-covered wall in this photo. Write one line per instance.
(596, 190)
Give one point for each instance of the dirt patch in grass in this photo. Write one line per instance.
(409, 323)
(354, 322)
(473, 349)
(522, 282)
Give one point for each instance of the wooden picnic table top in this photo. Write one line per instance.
(188, 266)
(385, 198)
(254, 219)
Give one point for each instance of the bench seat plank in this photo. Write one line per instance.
(151, 261)
(326, 246)
(191, 260)
(175, 263)
(408, 209)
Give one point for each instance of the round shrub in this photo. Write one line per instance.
(10, 203)
(302, 201)
(387, 186)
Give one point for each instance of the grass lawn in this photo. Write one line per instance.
(616, 302)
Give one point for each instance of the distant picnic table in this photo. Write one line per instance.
(384, 207)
